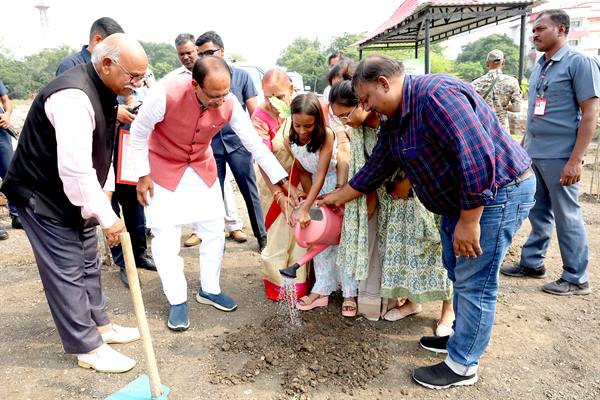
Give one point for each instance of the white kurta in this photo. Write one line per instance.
(193, 201)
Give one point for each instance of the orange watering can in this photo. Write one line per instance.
(324, 230)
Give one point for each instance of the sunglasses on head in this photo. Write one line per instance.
(208, 52)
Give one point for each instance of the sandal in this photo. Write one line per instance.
(349, 308)
(399, 313)
(442, 330)
(321, 301)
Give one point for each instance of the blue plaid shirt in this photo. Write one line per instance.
(450, 144)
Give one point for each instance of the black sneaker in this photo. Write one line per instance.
(518, 270)
(440, 376)
(561, 287)
(3, 234)
(437, 344)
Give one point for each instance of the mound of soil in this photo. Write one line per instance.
(326, 350)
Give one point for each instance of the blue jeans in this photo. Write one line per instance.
(240, 162)
(476, 280)
(6, 154)
(556, 204)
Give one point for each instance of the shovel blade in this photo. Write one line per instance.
(139, 389)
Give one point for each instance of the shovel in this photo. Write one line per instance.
(145, 386)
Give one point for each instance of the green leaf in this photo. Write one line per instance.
(280, 106)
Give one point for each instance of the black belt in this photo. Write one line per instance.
(528, 173)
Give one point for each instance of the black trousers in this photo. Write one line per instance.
(69, 267)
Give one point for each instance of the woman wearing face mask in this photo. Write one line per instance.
(389, 242)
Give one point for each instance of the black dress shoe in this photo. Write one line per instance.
(3, 234)
(16, 223)
(146, 262)
(124, 279)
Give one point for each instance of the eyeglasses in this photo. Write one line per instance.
(132, 78)
(208, 52)
(212, 100)
(346, 118)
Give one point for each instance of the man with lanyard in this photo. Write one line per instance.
(462, 166)
(561, 120)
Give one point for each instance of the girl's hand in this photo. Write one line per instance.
(302, 217)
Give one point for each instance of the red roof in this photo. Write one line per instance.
(410, 7)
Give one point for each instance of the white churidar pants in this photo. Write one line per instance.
(192, 202)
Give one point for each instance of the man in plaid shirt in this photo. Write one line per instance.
(463, 166)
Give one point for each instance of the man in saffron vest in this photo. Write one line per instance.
(177, 169)
(56, 180)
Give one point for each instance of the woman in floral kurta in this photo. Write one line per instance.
(390, 244)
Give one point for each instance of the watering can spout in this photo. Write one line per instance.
(290, 272)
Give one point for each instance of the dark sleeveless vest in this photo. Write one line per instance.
(32, 178)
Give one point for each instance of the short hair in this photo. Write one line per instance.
(342, 93)
(210, 36)
(309, 104)
(183, 38)
(276, 74)
(103, 50)
(343, 69)
(208, 65)
(339, 54)
(374, 66)
(558, 17)
(105, 27)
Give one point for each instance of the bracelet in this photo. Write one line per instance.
(277, 195)
(338, 185)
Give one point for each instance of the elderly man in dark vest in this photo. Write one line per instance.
(57, 180)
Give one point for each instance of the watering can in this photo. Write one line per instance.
(324, 230)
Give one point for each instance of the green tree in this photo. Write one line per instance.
(306, 57)
(344, 43)
(477, 52)
(469, 70)
(162, 58)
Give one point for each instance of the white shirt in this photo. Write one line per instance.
(71, 114)
(182, 70)
(153, 112)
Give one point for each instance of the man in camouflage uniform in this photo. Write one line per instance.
(500, 91)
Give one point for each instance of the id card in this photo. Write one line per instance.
(125, 168)
(540, 106)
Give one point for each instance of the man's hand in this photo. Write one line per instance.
(144, 185)
(112, 233)
(401, 189)
(467, 234)
(571, 173)
(339, 197)
(4, 120)
(124, 116)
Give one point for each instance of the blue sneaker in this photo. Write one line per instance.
(219, 301)
(178, 317)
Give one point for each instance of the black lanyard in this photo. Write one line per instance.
(542, 78)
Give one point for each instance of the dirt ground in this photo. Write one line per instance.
(543, 347)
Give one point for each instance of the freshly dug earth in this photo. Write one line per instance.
(318, 355)
(542, 347)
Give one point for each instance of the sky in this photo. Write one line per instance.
(259, 29)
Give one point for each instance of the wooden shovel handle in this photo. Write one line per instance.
(140, 313)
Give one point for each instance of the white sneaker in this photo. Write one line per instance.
(106, 359)
(119, 334)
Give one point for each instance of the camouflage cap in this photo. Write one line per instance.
(495, 56)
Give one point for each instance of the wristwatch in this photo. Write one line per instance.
(283, 181)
